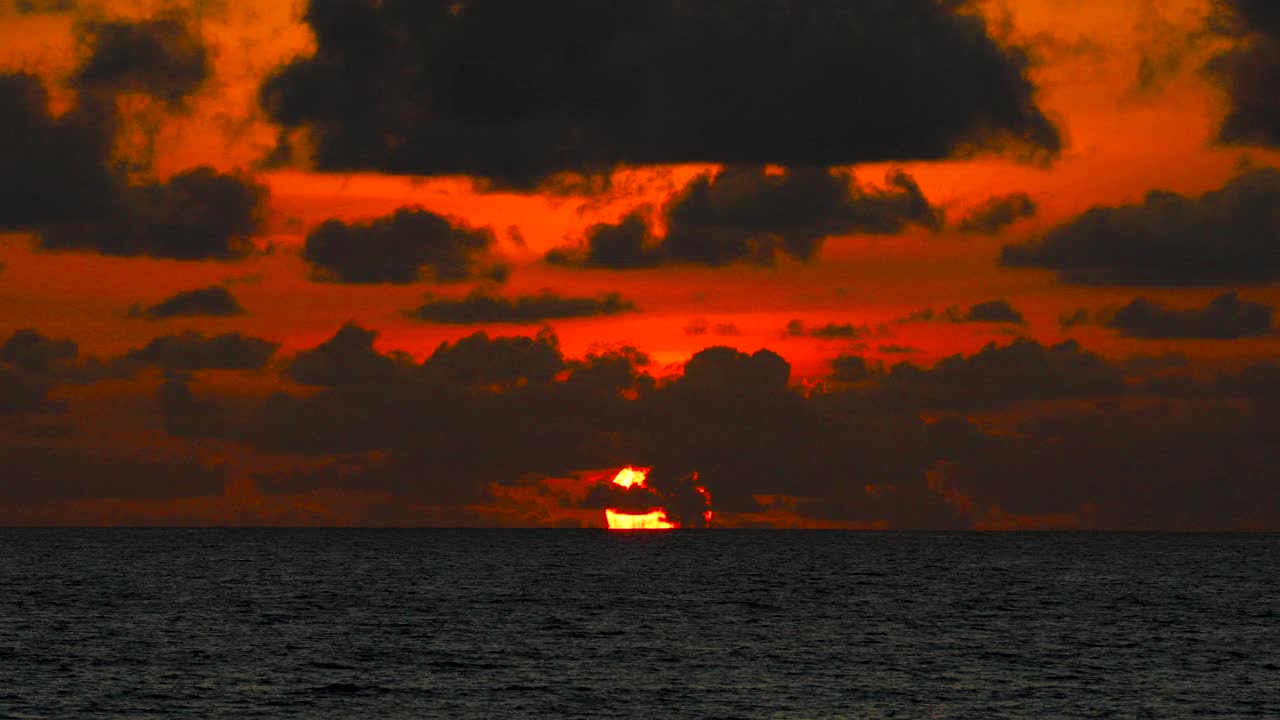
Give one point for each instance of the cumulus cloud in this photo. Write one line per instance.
(198, 214)
(997, 213)
(407, 246)
(1249, 71)
(39, 474)
(31, 365)
(347, 357)
(51, 169)
(861, 451)
(164, 57)
(46, 361)
(32, 7)
(58, 176)
(830, 331)
(1224, 237)
(24, 394)
(32, 352)
(504, 90)
(480, 306)
(993, 311)
(1226, 317)
(990, 311)
(194, 351)
(213, 301)
(1003, 375)
(851, 368)
(700, 326)
(748, 214)
(479, 360)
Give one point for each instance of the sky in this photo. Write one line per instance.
(897, 264)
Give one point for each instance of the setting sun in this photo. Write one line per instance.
(629, 477)
(657, 516)
(656, 520)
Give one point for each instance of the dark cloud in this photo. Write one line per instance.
(699, 326)
(480, 306)
(997, 213)
(1249, 71)
(748, 214)
(1226, 317)
(894, 349)
(45, 362)
(726, 369)
(31, 7)
(198, 214)
(517, 93)
(481, 361)
(624, 246)
(850, 368)
(1075, 318)
(346, 358)
(51, 169)
(1147, 364)
(830, 331)
(23, 394)
(40, 474)
(1226, 236)
(408, 246)
(164, 57)
(58, 177)
(213, 301)
(193, 351)
(991, 311)
(31, 364)
(1003, 375)
(32, 352)
(500, 410)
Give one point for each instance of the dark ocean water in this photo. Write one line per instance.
(710, 624)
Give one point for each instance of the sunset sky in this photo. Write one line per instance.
(1004, 264)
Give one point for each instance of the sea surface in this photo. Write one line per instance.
(592, 624)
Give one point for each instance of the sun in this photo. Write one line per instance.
(656, 518)
(629, 477)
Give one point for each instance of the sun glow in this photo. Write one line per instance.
(656, 517)
(656, 520)
(629, 477)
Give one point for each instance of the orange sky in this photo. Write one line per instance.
(1123, 140)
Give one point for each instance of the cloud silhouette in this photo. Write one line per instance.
(1224, 237)
(59, 179)
(502, 90)
(748, 214)
(997, 213)
(990, 311)
(739, 421)
(407, 246)
(164, 57)
(198, 214)
(830, 331)
(213, 301)
(480, 306)
(1248, 71)
(51, 169)
(1226, 317)
(194, 351)
(993, 311)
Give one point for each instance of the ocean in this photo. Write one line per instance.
(274, 623)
